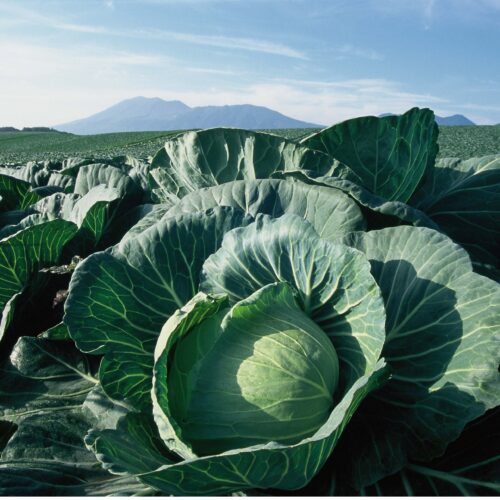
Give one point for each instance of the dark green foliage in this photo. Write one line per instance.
(245, 313)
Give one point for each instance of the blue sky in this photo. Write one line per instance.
(317, 60)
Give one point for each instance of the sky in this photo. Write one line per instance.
(321, 61)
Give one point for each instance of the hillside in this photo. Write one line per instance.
(155, 114)
(452, 120)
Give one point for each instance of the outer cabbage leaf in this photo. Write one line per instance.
(330, 211)
(44, 377)
(90, 176)
(378, 211)
(442, 347)
(56, 332)
(463, 198)
(132, 448)
(25, 253)
(119, 299)
(389, 154)
(13, 217)
(92, 212)
(210, 157)
(32, 173)
(16, 193)
(39, 175)
(44, 388)
(466, 469)
(135, 168)
(27, 221)
(71, 166)
(149, 215)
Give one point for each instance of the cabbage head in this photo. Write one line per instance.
(245, 351)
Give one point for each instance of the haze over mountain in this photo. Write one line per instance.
(452, 120)
(152, 113)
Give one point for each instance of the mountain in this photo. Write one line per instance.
(245, 116)
(452, 120)
(146, 113)
(131, 115)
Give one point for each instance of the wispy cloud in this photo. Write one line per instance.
(428, 13)
(350, 50)
(430, 10)
(79, 28)
(422, 10)
(220, 41)
(227, 42)
(62, 77)
(184, 2)
(480, 107)
(73, 82)
(212, 71)
(47, 85)
(21, 58)
(22, 15)
(318, 101)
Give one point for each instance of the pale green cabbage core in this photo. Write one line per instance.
(262, 371)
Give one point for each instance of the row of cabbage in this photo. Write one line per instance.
(245, 313)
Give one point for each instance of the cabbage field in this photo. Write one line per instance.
(233, 312)
(21, 147)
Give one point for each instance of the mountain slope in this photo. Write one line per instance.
(136, 114)
(240, 116)
(453, 120)
(149, 114)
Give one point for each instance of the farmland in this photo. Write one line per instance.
(229, 312)
(27, 146)
(462, 142)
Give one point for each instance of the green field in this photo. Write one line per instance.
(467, 142)
(20, 147)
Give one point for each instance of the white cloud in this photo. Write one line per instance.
(314, 101)
(183, 2)
(213, 71)
(429, 10)
(428, 13)
(47, 85)
(79, 28)
(43, 85)
(350, 50)
(226, 42)
(21, 15)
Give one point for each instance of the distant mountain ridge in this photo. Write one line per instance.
(452, 120)
(152, 113)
